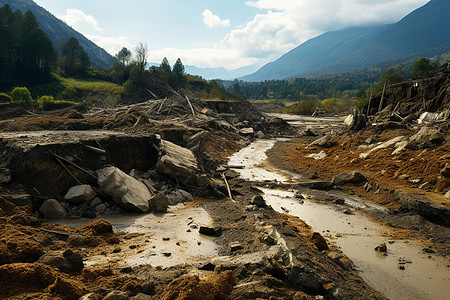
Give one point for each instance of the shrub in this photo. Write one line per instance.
(44, 101)
(48, 103)
(5, 98)
(21, 95)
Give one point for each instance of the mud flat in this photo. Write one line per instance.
(403, 272)
(164, 239)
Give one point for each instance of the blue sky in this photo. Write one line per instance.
(219, 33)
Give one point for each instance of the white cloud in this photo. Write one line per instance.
(285, 24)
(110, 44)
(212, 20)
(76, 16)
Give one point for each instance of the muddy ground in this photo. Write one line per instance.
(414, 172)
(261, 254)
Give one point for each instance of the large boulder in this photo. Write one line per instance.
(126, 191)
(177, 162)
(52, 209)
(80, 194)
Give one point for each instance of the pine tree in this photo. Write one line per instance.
(178, 75)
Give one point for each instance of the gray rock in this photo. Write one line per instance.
(195, 139)
(56, 260)
(236, 246)
(447, 195)
(116, 295)
(325, 141)
(260, 135)
(425, 136)
(126, 191)
(422, 205)
(142, 296)
(96, 201)
(246, 131)
(178, 162)
(299, 195)
(179, 196)
(210, 231)
(384, 145)
(304, 279)
(90, 296)
(254, 258)
(75, 259)
(100, 209)
(258, 201)
(159, 202)
(52, 209)
(5, 175)
(316, 185)
(370, 140)
(79, 194)
(348, 177)
(381, 247)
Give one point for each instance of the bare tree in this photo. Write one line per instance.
(141, 56)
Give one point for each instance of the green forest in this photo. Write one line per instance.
(42, 76)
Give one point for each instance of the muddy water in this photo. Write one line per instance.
(424, 276)
(165, 240)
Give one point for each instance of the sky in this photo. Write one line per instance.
(219, 33)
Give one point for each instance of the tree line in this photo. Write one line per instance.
(27, 55)
(298, 88)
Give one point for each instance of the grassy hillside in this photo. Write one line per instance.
(90, 91)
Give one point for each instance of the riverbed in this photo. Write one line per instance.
(403, 272)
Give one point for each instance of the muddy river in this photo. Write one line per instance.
(406, 272)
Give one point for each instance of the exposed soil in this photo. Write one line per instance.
(262, 254)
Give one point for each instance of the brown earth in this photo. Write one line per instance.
(383, 172)
(25, 240)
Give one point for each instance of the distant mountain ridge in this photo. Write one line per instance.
(59, 32)
(222, 73)
(424, 32)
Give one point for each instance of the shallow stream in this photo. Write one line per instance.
(164, 240)
(406, 272)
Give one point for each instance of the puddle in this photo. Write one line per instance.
(161, 234)
(424, 276)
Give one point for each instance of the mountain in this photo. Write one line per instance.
(222, 73)
(59, 32)
(423, 33)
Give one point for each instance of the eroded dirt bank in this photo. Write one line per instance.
(165, 153)
(187, 239)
